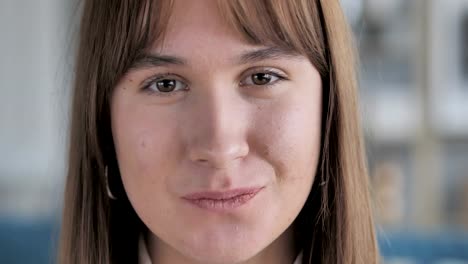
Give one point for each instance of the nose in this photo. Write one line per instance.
(217, 131)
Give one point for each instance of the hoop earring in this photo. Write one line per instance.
(106, 176)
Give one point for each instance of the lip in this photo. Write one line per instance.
(222, 201)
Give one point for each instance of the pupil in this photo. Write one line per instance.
(166, 85)
(261, 78)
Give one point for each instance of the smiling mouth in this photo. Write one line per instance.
(222, 201)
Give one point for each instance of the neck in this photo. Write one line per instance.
(280, 251)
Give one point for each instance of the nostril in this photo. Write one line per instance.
(220, 158)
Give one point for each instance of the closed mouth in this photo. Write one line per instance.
(222, 201)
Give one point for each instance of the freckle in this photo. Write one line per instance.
(266, 151)
(143, 144)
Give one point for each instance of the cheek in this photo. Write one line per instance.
(289, 136)
(144, 146)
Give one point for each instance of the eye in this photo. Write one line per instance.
(263, 78)
(164, 85)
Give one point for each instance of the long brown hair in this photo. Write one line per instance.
(335, 225)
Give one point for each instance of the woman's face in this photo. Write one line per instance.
(217, 140)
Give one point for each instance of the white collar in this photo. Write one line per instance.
(143, 256)
(298, 258)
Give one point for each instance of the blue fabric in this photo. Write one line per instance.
(27, 242)
(424, 247)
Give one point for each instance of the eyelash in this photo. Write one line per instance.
(171, 76)
(165, 76)
(274, 73)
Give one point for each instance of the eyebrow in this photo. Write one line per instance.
(269, 53)
(147, 60)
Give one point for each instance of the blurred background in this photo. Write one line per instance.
(414, 96)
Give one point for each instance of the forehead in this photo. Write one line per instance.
(197, 28)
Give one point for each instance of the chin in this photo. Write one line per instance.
(227, 256)
(225, 252)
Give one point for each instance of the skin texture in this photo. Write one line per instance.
(217, 131)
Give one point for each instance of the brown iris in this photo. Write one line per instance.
(261, 78)
(166, 85)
